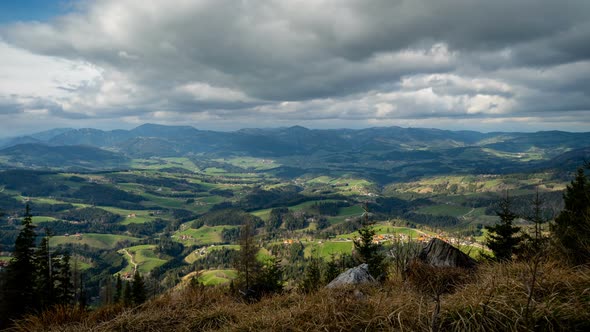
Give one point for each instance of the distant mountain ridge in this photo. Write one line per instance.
(386, 150)
(297, 139)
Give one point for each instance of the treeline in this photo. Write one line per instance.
(36, 278)
(91, 215)
(99, 194)
(226, 217)
(263, 199)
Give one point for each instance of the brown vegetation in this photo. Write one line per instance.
(495, 297)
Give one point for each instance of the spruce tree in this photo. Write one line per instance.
(270, 278)
(312, 278)
(138, 292)
(82, 297)
(127, 298)
(572, 227)
(332, 270)
(247, 265)
(502, 239)
(369, 251)
(18, 292)
(45, 287)
(118, 289)
(64, 292)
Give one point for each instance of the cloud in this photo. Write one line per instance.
(229, 63)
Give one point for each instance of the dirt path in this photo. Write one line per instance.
(131, 260)
(468, 213)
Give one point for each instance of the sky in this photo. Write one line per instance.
(499, 65)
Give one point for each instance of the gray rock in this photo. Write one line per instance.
(438, 253)
(355, 276)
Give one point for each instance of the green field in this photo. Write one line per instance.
(387, 229)
(217, 277)
(202, 236)
(98, 241)
(213, 277)
(159, 163)
(5, 258)
(82, 266)
(38, 219)
(131, 216)
(167, 202)
(251, 163)
(144, 256)
(445, 210)
(325, 249)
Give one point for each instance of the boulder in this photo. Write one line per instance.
(355, 276)
(439, 253)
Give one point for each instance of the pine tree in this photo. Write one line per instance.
(83, 297)
(127, 298)
(502, 239)
(18, 292)
(332, 270)
(138, 292)
(270, 278)
(534, 244)
(312, 278)
(118, 289)
(368, 251)
(45, 287)
(247, 265)
(572, 226)
(64, 291)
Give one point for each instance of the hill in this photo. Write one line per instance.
(63, 157)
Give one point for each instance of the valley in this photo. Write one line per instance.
(174, 210)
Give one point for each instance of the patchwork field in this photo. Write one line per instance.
(98, 241)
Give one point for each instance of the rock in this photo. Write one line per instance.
(439, 253)
(355, 276)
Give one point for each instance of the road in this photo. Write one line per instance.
(131, 260)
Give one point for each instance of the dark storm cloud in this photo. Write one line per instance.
(302, 60)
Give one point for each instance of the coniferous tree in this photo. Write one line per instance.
(270, 278)
(138, 292)
(118, 289)
(127, 298)
(572, 226)
(534, 244)
(502, 237)
(45, 286)
(18, 292)
(247, 265)
(332, 270)
(312, 278)
(64, 291)
(369, 251)
(83, 296)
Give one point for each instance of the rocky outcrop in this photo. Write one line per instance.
(355, 276)
(439, 253)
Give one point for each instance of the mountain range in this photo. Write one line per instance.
(386, 152)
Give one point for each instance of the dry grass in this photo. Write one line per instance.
(494, 298)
